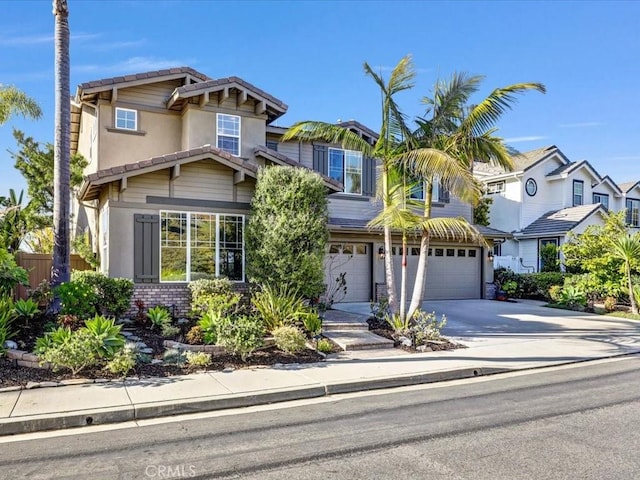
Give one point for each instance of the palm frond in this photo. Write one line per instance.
(453, 229)
(485, 115)
(309, 131)
(14, 101)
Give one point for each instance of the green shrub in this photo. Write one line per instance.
(174, 356)
(108, 335)
(7, 315)
(11, 275)
(510, 287)
(26, 309)
(122, 362)
(77, 298)
(169, 331)
(425, 326)
(112, 295)
(80, 351)
(312, 324)
(380, 310)
(324, 346)
(554, 293)
(573, 297)
(398, 325)
(279, 306)
(213, 294)
(610, 304)
(52, 339)
(528, 285)
(287, 230)
(198, 359)
(159, 316)
(210, 324)
(242, 336)
(195, 336)
(289, 339)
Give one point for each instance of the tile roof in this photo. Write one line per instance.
(359, 126)
(559, 221)
(208, 84)
(91, 182)
(521, 162)
(626, 186)
(106, 82)
(263, 151)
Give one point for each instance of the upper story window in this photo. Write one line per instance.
(345, 166)
(228, 133)
(126, 119)
(496, 187)
(272, 145)
(578, 193)
(602, 198)
(439, 193)
(633, 212)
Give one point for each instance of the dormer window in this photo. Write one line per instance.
(345, 166)
(602, 198)
(495, 187)
(228, 133)
(126, 119)
(578, 193)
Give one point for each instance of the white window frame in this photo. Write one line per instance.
(632, 206)
(576, 194)
(601, 196)
(345, 170)
(435, 192)
(126, 120)
(220, 133)
(217, 244)
(496, 187)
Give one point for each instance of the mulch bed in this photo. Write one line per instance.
(383, 329)
(12, 375)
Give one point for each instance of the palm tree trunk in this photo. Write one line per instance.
(60, 270)
(403, 280)
(634, 306)
(388, 259)
(418, 287)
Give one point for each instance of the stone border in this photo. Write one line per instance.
(26, 359)
(61, 383)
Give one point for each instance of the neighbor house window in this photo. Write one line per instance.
(633, 212)
(345, 166)
(228, 133)
(272, 145)
(201, 245)
(496, 187)
(602, 198)
(578, 192)
(439, 194)
(126, 119)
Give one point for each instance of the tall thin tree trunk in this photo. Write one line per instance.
(388, 259)
(634, 307)
(60, 270)
(403, 280)
(418, 287)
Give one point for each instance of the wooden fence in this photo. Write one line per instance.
(39, 267)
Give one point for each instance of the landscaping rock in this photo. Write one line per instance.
(146, 350)
(32, 385)
(10, 345)
(134, 338)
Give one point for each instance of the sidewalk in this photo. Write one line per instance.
(99, 403)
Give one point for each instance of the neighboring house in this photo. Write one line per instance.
(544, 198)
(173, 157)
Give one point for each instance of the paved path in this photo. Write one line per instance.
(499, 336)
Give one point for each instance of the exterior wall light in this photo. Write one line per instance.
(381, 253)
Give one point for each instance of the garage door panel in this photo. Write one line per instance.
(354, 259)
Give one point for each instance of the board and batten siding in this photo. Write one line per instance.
(152, 95)
(204, 180)
(152, 183)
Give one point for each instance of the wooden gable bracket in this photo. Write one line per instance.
(261, 107)
(204, 99)
(223, 95)
(175, 171)
(114, 95)
(242, 97)
(123, 184)
(238, 177)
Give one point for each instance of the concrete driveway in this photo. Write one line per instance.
(489, 323)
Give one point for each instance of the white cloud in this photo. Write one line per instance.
(531, 138)
(580, 125)
(37, 39)
(104, 47)
(132, 65)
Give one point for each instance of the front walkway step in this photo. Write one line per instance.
(358, 339)
(339, 320)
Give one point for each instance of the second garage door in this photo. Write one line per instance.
(354, 259)
(452, 272)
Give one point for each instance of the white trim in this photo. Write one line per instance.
(218, 134)
(344, 167)
(135, 119)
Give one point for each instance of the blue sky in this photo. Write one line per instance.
(310, 55)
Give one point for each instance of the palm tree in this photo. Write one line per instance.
(393, 134)
(14, 101)
(452, 135)
(627, 248)
(60, 270)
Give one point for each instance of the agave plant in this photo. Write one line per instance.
(108, 333)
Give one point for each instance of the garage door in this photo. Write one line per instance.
(452, 272)
(353, 259)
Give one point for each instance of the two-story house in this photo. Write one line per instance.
(545, 197)
(173, 157)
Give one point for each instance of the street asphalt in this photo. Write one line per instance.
(499, 336)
